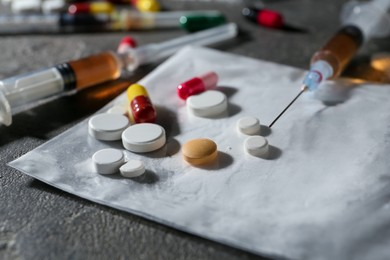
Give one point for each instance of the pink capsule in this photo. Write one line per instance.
(126, 43)
(197, 85)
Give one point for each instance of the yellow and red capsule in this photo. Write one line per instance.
(141, 109)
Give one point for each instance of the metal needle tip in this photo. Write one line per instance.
(303, 89)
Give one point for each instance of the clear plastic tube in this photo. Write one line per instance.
(133, 58)
(23, 89)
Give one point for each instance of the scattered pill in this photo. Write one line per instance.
(108, 161)
(197, 85)
(207, 104)
(141, 109)
(143, 137)
(107, 127)
(118, 109)
(199, 151)
(132, 168)
(249, 125)
(257, 146)
(125, 44)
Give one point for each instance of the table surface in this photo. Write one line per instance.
(38, 221)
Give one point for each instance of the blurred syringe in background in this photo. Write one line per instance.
(118, 20)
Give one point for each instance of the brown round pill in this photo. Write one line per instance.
(199, 151)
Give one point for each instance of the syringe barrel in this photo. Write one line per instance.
(95, 69)
(340, 49)
(371, 17)
(74, 75)
(24, 89)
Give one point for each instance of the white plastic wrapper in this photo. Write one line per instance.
(324, 192)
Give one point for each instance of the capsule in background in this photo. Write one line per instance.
(141, 109)
(147, 5)
(92, 8)
(197, 85)
(264, 17)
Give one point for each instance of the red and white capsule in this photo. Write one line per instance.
(264, 17)
(197, 85)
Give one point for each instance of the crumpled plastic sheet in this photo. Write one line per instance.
(323, 193)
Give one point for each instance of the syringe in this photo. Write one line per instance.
(122, 20)
(79, 74)
(125, 19)
(361, 22)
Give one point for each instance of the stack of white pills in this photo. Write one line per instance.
(137, 138)
(255, 144)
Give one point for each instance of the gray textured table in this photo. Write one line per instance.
(41, 222)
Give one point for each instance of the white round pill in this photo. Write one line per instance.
(118, 109)
(107, 127)
(249, 125)
(208, 103)
(257, 146)
(108, 161)
(143, 138)
(132, 168)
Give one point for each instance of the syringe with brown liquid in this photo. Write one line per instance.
(361, 21)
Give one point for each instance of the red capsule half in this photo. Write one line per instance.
(141, 108)
(197, 85)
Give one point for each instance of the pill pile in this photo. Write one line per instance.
(131, 123)
(134, 124)
(110, 161)
(202, 99)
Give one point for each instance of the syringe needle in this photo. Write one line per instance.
(304, 88)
